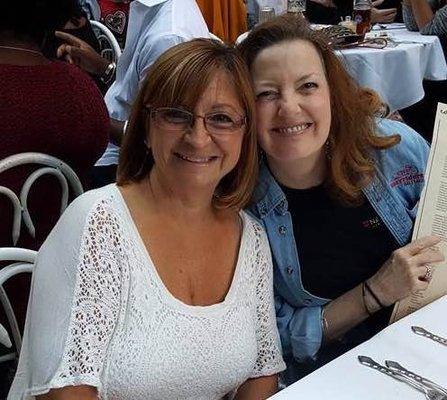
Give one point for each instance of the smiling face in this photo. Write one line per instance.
(293, 102)
(194, 159)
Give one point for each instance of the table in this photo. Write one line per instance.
(345, 378)
(396, 73)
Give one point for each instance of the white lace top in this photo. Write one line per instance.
(100, 315)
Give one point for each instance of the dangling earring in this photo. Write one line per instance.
(328, 145)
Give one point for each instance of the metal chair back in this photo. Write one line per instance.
(53, 166)
(110, 49)
(23, 261)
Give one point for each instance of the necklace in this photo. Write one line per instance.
(21, 49)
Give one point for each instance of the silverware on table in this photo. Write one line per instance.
(430, 394)
(423, 332)
(399, 369)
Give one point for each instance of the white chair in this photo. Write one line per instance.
(241, 38)
(53, 166)
(215, 37)
(110, 49)
(23, 260)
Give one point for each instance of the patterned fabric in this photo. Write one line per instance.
(115, 16)
(437, 26)
(54, 109)
(115, 326)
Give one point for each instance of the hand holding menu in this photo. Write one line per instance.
(431, 217)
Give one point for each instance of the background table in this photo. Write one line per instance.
(345, 378)
(396, 73)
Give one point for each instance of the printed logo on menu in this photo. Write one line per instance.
(408, 175)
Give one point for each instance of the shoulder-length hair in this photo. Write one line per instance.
(178, 78)
(352, 135)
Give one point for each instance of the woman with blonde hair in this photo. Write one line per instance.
(337, 194)
(159, 286)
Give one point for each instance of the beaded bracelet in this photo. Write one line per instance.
(364, 300)
(368, 287)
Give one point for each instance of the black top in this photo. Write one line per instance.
(339, 247)
(319, 14)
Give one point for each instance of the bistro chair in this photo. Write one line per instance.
(23, 261)
(110, 49)
(52, 166)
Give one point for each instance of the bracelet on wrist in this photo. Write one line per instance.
(109, 73)
(376, 299)
(368, 311)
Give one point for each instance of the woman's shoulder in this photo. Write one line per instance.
(411, 142)
(255, 228)
(250, 220)
(403, 165)
(98, 206)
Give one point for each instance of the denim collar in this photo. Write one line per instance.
(268, 195)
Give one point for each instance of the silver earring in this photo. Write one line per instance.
(328, 148)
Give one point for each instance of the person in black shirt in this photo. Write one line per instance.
(332, 11)
(337, 194)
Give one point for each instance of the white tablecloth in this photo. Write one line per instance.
(396, 73)
(346, 378)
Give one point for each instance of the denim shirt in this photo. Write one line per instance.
(393, 193)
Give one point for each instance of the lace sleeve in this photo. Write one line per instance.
(75, 301)
(269, 359)
(96, 302)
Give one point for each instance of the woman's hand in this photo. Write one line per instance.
(324, 3)
(258, 388)
(382, 16)
(404, 272)
(83, 392)
(78, 52)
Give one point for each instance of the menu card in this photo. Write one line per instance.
(431, 217)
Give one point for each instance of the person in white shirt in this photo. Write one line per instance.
(154, 26)
(91, 7)
(160, 286)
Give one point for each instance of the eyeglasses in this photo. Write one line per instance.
(179, 120)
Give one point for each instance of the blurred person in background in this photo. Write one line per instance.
(429, 18)
(154, 26)
(47, 106)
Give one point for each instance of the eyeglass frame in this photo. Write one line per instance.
(194, 116)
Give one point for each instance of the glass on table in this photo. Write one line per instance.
(296, 7)
(361, 15)
(266, 14)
